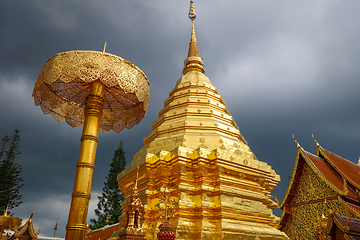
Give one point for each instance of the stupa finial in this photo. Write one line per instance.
(192, 13)
(193, 62)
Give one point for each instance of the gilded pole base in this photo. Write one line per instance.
(76, 226)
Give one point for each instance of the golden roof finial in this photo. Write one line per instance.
(297, 144)
(193, 62)
(6, 210)
(31, 216)
(317, 144)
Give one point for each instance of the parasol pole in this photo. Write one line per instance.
(81, 195)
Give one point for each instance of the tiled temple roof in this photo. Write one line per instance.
(347, 169)
(348, 225)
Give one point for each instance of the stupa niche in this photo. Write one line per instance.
(195, 149)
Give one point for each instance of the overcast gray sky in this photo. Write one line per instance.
(282, 67)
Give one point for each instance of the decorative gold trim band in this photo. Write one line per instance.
(89, 137)
(81, 195)
(85, 165)
(76, 226)
(95, 98)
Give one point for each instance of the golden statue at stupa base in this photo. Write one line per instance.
(195, 149)
(135, 209)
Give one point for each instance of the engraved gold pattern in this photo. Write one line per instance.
(69, 75)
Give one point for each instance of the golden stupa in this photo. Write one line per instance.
(220, 189)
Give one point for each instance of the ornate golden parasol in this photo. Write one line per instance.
(100, 91)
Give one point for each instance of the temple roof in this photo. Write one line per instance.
(26, 231)
(335, 171)
(326, 173)
(347, 169)
(323, 166)
(348, 225)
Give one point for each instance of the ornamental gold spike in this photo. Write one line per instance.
(6, 210)
(297, 144)
(193, 62)
(192, 13)
(317, 144)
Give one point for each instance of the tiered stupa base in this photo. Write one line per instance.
(219, 194)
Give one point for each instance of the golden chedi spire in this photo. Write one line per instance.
(193, 62)
(194, 107)
(195, 149)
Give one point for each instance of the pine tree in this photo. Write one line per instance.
(10, 178)
(109, 201)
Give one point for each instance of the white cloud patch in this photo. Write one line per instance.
(15, 95)
(279, 72)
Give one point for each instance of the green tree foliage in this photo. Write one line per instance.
(109, 201)
(10, 178)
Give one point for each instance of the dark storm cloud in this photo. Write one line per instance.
(283, 67)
